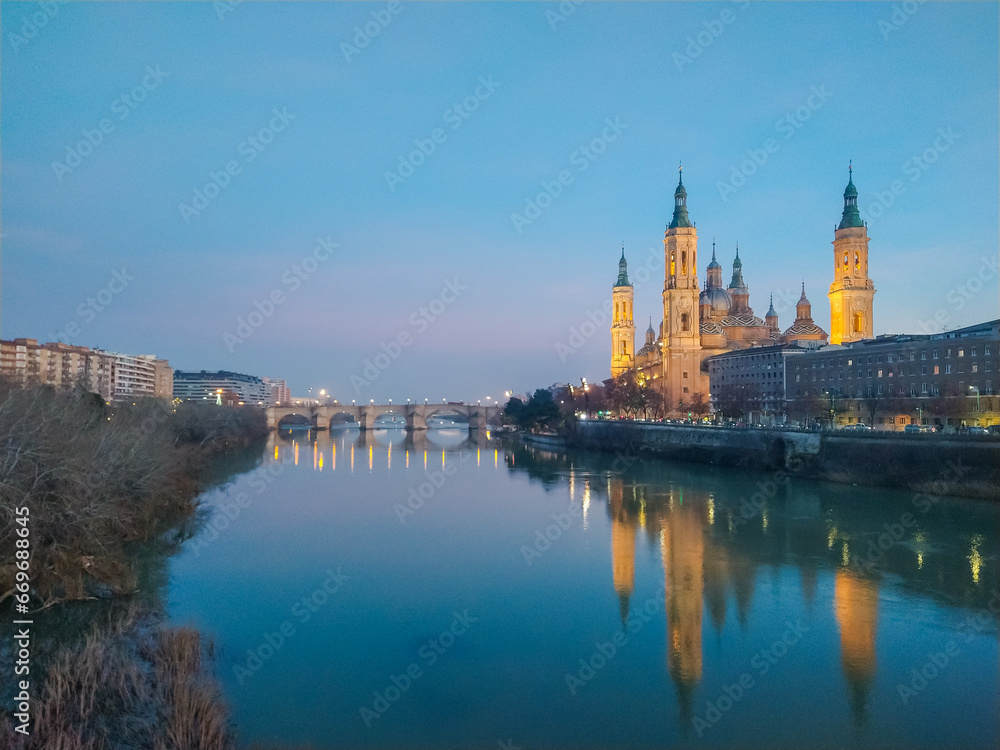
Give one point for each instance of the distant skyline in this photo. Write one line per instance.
(446, 188)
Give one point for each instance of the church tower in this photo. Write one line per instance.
(852, 292)
(681, 337)
(622, 327)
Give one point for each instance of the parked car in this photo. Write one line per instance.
(978, 431)
(916, 428)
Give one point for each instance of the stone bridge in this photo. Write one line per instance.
(416, 415)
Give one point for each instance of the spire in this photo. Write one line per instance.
(623, 270)
(680, 218)
(770, 311)
(650, 329)
(737, 281)
(851, 216)
(803, 297)
(714, 263)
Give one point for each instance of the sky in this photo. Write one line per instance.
(429, 200)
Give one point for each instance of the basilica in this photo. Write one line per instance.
(699, 322)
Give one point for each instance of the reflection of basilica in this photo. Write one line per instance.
(856, 605)
(701, 569)
(683, 548)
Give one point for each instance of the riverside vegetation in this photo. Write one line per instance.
(102, 482)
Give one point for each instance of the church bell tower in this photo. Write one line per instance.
(681, 319)
(622, 326)
(852, 292)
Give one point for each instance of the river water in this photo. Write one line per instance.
(372, 590)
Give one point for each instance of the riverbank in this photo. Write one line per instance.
(100, 495)
(932, 464)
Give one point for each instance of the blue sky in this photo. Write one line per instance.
(485, 301)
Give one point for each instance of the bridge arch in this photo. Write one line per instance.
(294, 421)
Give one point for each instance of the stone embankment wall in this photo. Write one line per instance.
(935, 464)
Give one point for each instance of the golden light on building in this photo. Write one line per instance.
(371, 458)
(425, 459)
(407, 459)
(275, 452)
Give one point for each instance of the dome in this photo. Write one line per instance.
(709, 328)
(807, 328)
(719, 298)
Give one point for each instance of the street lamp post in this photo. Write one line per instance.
(976, 389)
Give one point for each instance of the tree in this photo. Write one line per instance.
(624, 394)
(872, 401)
(699, 406)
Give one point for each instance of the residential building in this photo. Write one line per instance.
(207, 386)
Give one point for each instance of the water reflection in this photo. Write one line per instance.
(716, 563)
(865, 538)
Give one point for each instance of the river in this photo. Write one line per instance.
(375, 590)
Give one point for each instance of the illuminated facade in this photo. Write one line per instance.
(622, 325)
(852, 292)
(699, 323)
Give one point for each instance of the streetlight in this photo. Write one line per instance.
(976, 389)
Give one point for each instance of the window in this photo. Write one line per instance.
(685, 389)
(880, 373)
(989, 367)
(937, 369)
(685, 322)
(685, 374)
(923, 369)
(972, 351)
(935, 354)
(850, 362)
(986, 350)
(923, 355)
(869, 372)
(947, 369)
(961, 352)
